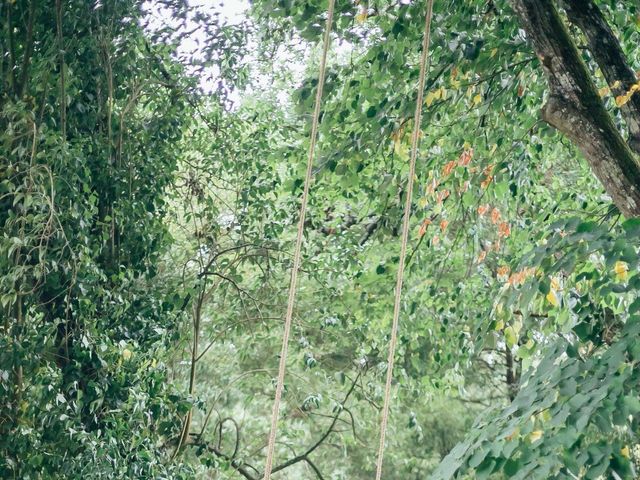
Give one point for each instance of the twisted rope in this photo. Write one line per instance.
(405, 235)
(298, 248)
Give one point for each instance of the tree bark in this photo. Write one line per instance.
(608, 53)
(575, 108)
(511, 375)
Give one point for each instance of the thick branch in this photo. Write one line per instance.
(575, 108)
(26, 59)
(63, 95)
(12, 47)
(607, 52)
(511, 380)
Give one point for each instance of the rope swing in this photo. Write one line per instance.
(298, 248)
(415, 135)
(298, 245)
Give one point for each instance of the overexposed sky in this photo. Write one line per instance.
(231, 10)
(194, 37)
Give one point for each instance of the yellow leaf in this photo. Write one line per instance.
(535, 435)
(361, 17)
(624, 451)
(510, 336)
(603, 91)
(477, 99)
(517, 327)
(400, 149)
(545, 415)
(499, 325)
(514, 434)
(622, 270)
(127, 354)
(552, 298)
(429, 99)
(493, 53)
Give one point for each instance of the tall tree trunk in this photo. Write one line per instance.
(574, 106)
(608, 53)
(511, 375)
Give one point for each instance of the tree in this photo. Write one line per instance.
(574, 105)
(91, 113)
(147, 226)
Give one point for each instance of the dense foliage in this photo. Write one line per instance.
(151, 169)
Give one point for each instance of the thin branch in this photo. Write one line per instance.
(324, 436)
(314, 468)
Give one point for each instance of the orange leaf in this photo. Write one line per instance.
(504, 230)
(423, 227)
(465, 157)
(433, 184)
(495, 216)
(448, 168)
(443, 194)
(485, 183)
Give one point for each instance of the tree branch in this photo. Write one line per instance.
(575, 108)
(26, 59)
(608, 53)
(314, 468)
(242, 468)
(325, 435)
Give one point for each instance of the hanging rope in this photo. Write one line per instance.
(298, 248)
(405, 235)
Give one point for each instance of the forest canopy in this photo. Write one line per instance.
(152, 169)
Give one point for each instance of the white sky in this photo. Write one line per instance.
(231, 12)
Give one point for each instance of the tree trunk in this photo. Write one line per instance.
(607, 52)
(511, 375)
(574, 106)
